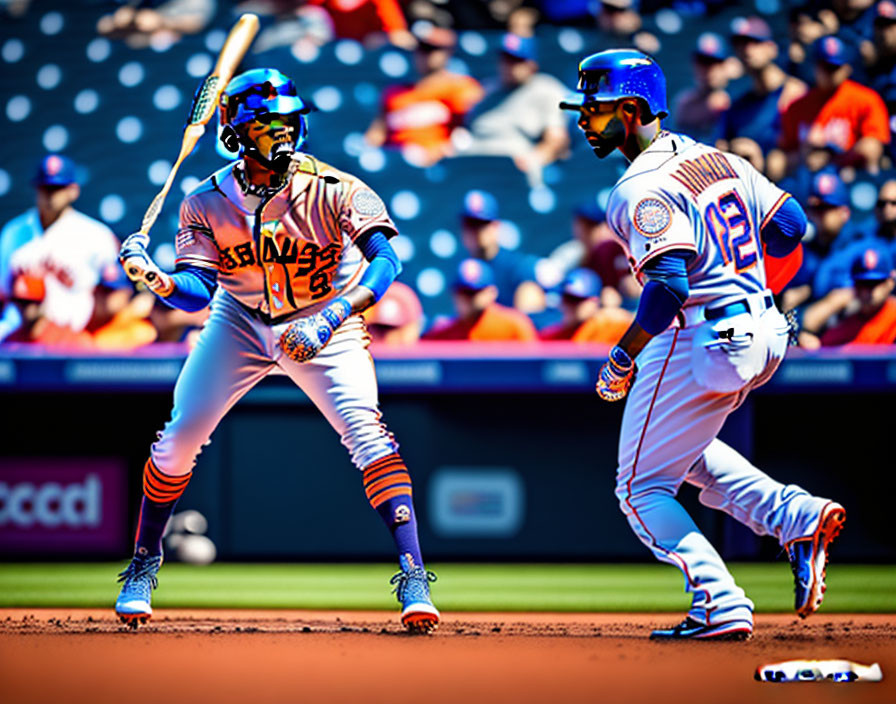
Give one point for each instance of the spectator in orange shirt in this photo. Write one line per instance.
(865, 314)
(584, 320)
(419, 118)
(479, 317)
(837, 111)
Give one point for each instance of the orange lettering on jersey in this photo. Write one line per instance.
(698, 174)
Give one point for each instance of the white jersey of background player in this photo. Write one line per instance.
(289, 251)
(699, 227)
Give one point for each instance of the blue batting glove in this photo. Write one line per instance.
(305, 337)
(616, 376)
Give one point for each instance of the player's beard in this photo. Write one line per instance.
(611, 136)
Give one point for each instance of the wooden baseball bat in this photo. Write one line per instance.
(204, 103)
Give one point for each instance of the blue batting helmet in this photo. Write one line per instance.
(256, 93)
(620, 73)
(259, 92)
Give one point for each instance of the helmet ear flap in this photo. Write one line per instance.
(230, 139)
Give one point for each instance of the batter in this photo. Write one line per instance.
(288, 251)
(699, 227)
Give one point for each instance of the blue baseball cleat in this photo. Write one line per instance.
(809, 557)
(418, 614)
(133, 605)
(692, 629)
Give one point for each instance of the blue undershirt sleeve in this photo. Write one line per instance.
(665, 292)
(193, 288)
(384, 264)
(786, 228)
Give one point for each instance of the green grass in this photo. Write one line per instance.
(461, 587)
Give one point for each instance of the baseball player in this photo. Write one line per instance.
(289, 251)
(698, 226)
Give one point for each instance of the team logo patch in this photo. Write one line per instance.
(652, 217)
(367, 203)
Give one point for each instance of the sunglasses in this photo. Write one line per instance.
(884, 202)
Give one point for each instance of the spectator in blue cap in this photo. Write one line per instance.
(756, 114)
(863, 313)
(479, 317)
(519, 116)
(584, 319)
(514, 272)
(54, 255)
(696, 110)
(837, 110)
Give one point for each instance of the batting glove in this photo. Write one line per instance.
(616, 376)
(140, 268)
(305, 337)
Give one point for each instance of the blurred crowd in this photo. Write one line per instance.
(813, 112)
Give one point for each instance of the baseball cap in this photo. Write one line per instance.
(480, 205)
(751, 28)
(832, 50)
(711, 46)
(473, 275)
(885, 12)
(873, 263)
(827, 188)
(581, 283)
(590, 210)
(433, 36)
(519, 47)
(55, 170)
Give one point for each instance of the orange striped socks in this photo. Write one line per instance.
(160, 495)
(388, 488)
(386, 478)
(162, 488)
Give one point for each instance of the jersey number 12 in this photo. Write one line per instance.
(729, 224)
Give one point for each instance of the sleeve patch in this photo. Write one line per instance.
(652, 217)
(367, 203)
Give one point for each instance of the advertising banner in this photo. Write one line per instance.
(63, 506)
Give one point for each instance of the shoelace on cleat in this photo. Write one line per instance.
(413, 580)
(140, 572)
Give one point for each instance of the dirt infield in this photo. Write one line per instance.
(225, 657)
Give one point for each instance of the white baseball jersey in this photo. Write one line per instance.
(293, 253)
(683, 195)
(73, 255)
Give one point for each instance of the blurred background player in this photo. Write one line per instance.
(837, 110)
(57, 256)
(418, 118)
(479, 316)
(706, 332)
(584, 319)
(697, 109)
(289, 251)
(513, 271)
(518, 116)
(756, 114)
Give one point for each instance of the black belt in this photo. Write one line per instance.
(265, 317)
(736, 308)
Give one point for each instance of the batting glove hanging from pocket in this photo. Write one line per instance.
(616, 376)
(305, 337)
